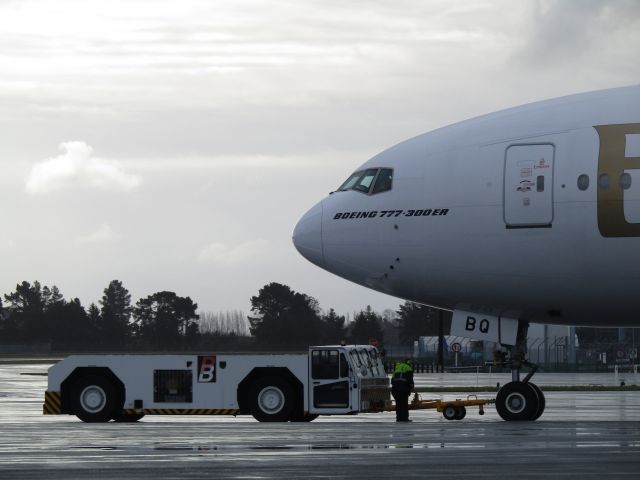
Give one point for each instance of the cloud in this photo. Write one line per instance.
(7, 244)
(220, 253)
(76, 167)
(103, 234)
(196, 54)
(562, 32)
(240, 162)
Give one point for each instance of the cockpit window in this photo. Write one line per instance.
(372, 180)
(383, 182)
(351, 181)
(364, 184)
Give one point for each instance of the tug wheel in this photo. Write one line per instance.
(94, 398)
(271, 399)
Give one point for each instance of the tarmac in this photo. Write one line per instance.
(581, 435)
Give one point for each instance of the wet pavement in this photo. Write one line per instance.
(581, 434)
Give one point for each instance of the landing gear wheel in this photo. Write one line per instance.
(127, 417)
(517, 401)
(461, 412)
(541, 400)
(94, 398)
(449, 412)
(271, 399)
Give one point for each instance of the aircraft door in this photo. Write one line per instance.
(331, 385)
(528, 185)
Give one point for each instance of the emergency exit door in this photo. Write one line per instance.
(528, 185)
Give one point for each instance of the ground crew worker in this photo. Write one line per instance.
(401, 388)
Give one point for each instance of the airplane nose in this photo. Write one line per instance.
(307, 235)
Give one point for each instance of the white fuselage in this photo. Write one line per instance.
(492, 235)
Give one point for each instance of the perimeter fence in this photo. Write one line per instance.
(553, 354)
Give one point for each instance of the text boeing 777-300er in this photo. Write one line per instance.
(530, 214)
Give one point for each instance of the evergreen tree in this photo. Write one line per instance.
(334, 329)
(24, 314)
(415, 320)
(165, 319)
(69, 324)
(3, 323)
(36, 314)
(115, 313)
(367, 325)
(285, 318)
(55, 321)
(95, 320)
(51, 296)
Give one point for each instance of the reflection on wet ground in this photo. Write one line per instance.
(582, 434)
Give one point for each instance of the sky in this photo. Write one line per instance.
(173, 145)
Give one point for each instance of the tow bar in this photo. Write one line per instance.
(450, 409)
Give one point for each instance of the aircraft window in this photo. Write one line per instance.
(603, 181)
(625, 181)
(583, 182)
(364, 183)
(351, 181)
(383, 182)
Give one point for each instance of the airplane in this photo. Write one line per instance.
(530, 214)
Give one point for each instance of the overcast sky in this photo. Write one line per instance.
(173, 145)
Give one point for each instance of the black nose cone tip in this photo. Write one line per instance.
(307, 235)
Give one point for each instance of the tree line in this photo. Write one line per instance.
(281, 318)
(35, 313)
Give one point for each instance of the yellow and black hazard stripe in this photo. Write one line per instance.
(52, 403)
(182, 411)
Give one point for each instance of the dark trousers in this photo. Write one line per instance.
(401, 392)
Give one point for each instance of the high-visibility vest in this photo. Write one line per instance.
(402, 368)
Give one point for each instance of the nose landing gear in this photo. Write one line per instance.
(520, 399)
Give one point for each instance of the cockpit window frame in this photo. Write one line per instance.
(357, 175)
(360, 174)
(375, 181)
(364, 175)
